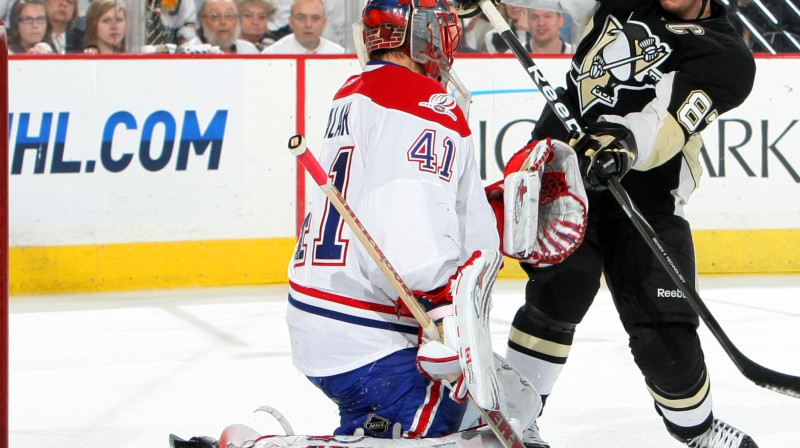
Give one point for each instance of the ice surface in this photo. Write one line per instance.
(126, 369)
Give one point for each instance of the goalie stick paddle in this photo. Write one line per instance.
(297, 145)
(760, 375)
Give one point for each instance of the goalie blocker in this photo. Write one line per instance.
(541, 204)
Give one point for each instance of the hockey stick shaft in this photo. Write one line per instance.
(762, 376)
(297, 145)
(550, 95)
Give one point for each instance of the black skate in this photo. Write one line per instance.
(194, 442)
(721, 435)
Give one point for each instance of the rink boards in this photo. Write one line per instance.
(153, 172)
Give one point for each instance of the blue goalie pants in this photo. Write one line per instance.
(378, 396)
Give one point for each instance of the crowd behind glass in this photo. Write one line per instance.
(306, 27)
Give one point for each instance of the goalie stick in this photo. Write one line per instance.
(297, 145)
(760, 375)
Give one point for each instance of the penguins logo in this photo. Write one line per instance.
(622, 58)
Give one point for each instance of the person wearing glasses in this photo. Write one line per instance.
(307, 22)
(219, 30)
(30, 32)
(63, 15)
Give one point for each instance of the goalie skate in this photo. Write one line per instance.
(240, 436)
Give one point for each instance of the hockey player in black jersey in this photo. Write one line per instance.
(646, 78)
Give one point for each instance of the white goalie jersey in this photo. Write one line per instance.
(400, 151)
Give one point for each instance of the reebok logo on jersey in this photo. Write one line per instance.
(441, 103)
(670, 293)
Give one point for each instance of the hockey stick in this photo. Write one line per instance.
(297, 145)
(760, 375)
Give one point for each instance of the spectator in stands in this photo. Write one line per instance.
(473, 34)
(30, 33)
(515, 16)
(341, 15)
(219, 30)
(339, 24)
(307, 20)
(279, 22)
(5, 11)
(63, 15)
(544, 32)
(105, 27)
(170, 21)
(255, 15)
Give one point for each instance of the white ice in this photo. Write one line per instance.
(127, 369)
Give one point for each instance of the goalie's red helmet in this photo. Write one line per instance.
(431, 26)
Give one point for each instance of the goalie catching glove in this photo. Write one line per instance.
(541, 205)
(606, 149)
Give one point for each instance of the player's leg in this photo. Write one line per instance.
(662, 328)
(556, 299)
(390, 398)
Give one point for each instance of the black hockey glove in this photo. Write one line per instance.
(604, 150)
(469, 8)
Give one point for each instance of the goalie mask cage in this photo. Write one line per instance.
(4, 333)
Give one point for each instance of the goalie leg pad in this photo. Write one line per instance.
(521, 400)
(472, 289)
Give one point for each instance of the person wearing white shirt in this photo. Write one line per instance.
(307, 21)
(220, 28)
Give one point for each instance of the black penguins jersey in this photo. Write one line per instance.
(664, 78)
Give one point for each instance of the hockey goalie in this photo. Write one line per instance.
(399, 151)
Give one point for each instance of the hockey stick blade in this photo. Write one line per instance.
(760, 375)
(501, 428)
(297, 145)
